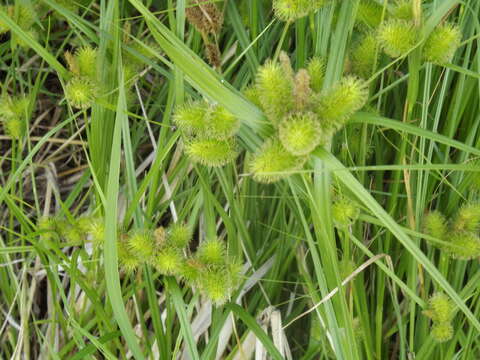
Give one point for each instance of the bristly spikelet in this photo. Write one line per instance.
(95, 227)
(179, 235)
(402, 10)
(345, 212)
(141, 243)
(302, 91)
(442, 44)
(369, 13)
(211, 152)
(191, 118)
(275, 91)
(169, 261)
(397, 37)
(364, 56)
(86, 58)
(463, 245)
(316, 70)
(336, 105)
(13, 115)
(222, 124)
(291, 10)
(215, 285)
(440, 308)
(81, 92)
(300, 134)
(272, 162)
(204, 15)
(253, 95)
(211, 252)
(435, 225)
(442, 332)
(467, 218)
(128, 260)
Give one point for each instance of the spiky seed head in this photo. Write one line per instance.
(440, 308)
(215, 285)
(364, 56)
(467, 218)
(369, 13)
(15, 128)
(463, 245)
(222, 124)
(94, 226)
(442, 332)
(191, 271)
(403, 10)
(169, 261)
(211, 252)
(192, 118)
(86, 58)
(275, 92)
(345, 212)
(435, 225)
(316, 70)
(47, 227)
(442, 44)
(74, 235)
(179, 235)
(253, 95)
(129, 261)
(336, 105)
(291, 10)
(300, 133)
(211, 152)
(141, 243)
(81, 92)
(273, 162)
(234, 273)
(397, 37)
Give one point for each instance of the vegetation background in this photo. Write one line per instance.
(310, 290)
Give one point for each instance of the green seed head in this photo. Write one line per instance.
(463, 245)
(81, 92)
(338, 104)
(316, 70)
(275, 91)
(440, 308)
(467, 218)
(369, 13)
(211, 152)
(345, 212)
(128, 260)
(191, 118)
(221, 123)
(141, 243)
(300, 134)
(435, 225)
(397, 37)
(442, 332)
(86, 58)
(403, 10)
(169, 261)
(272, 162)
(291, 10)
(215, 285)
(442, 44)
(179, 235)
(364, 56)
(211, 252)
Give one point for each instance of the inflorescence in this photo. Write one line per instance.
(303, 114)
(441, 310)
(209, 269)
(459, 235)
